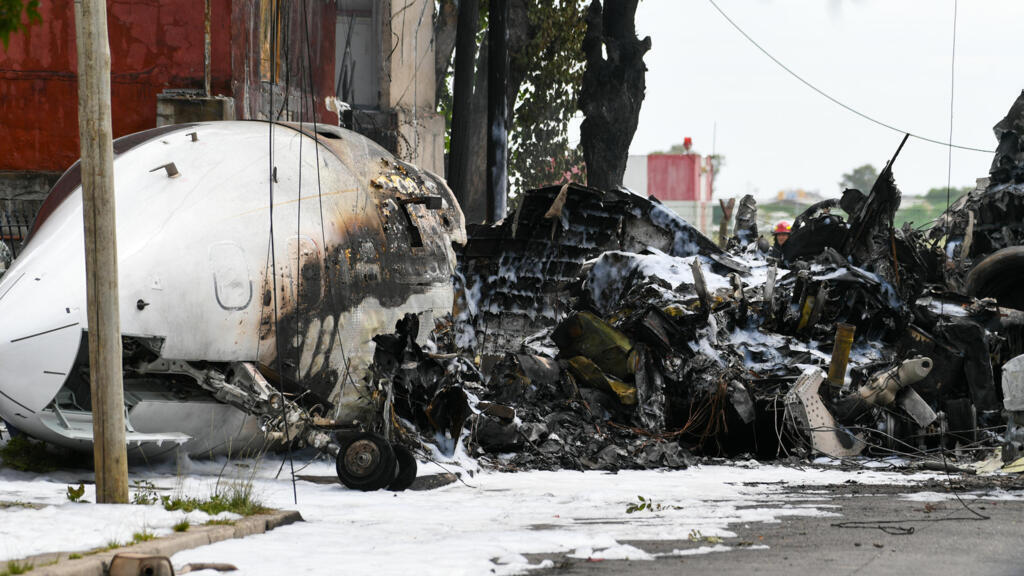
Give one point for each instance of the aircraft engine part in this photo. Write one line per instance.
(883, 387)
(814, 420)
(999, 276)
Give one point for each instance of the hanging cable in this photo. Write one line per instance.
(952, 90)
(836, 101)
(319, 194)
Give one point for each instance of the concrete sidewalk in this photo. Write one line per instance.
(96, 563)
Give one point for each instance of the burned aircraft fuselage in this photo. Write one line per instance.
(267, 258)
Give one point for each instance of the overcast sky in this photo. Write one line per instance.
(889, 59)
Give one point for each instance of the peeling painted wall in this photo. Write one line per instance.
(155, 46)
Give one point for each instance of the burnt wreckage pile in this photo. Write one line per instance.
(598, 330)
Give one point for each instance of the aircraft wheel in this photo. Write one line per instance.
(366, 462)
(406, 474)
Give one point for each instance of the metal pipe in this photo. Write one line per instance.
(206, 53)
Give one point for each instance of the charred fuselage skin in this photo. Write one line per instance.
(282, 246)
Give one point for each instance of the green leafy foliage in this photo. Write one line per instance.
(552, 65)
(22, 454)
(11, 12)
(540, 152)
(939, 195)
(649, 505)
(75, 494)
(860, 178)
(182, 526)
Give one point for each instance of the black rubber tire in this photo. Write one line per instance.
(999, 276)
(366, 462)
(407, 466)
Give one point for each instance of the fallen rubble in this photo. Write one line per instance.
(598, 330)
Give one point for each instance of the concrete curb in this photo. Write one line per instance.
(58, 564)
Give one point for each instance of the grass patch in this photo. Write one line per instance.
(220, 523)
(74, 556)
(236, 497)
(111, 545)
(21, 504)
(16, 567)
(144, 536)
(181, 526)
(20, 453)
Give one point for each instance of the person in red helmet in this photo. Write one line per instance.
(781, 234)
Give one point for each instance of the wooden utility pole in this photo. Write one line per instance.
(94, 130)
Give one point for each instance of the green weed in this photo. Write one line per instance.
(145, 493)
(648, 504)
(236, 497)
(696, 536)
(75, 494)
(20, 453)
(16, 567)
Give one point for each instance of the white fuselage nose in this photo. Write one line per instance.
(354, 247)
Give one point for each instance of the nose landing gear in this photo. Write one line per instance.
(367, 462)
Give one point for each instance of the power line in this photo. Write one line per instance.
(836, 101)
(952, 91)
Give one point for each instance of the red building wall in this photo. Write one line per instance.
(153, 44)
(674, 177)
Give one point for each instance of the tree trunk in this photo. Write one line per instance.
(445, 35)
(462, 100)
(475, 179)
(613, 89)
(497, 111)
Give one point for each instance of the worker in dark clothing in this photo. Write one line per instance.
(781, 234)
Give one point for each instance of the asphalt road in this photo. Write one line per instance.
(946, 539)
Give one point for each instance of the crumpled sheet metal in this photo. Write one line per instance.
(515, 278)
(622, 338)
(991, 218)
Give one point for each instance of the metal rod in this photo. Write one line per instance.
(206, 53)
